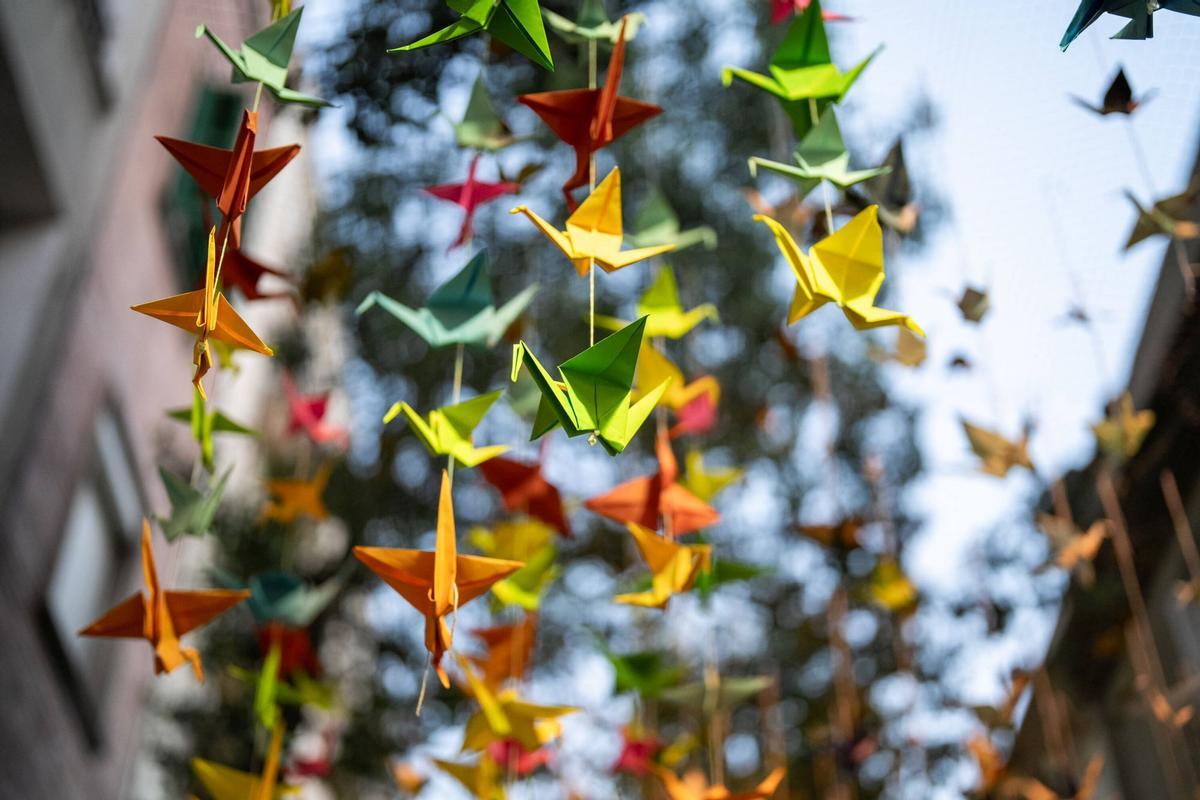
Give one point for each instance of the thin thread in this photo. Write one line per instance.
(812, 115)
(456, 394)
(591, 188)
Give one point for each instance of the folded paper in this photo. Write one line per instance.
(516, 23)
(470, 195)
(447, 431)
(665, 314)
(674, 567)
(292, 498)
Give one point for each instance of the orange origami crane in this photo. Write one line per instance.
(675, 567)
(509, 651)
(293, 498)
(643, 500)
(590, 119)
(206, 313)
(693, 786)
(522, 487)
(231, 177)
(161, 617)
(437, 583)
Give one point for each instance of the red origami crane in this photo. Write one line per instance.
(243, 272)
(306, 412)
(513, 758)
(644, 500)
(782, 9)
(470, 195)
(295, 649)
(522, 488)
(637, 754)
(697, 416)
(590, 119)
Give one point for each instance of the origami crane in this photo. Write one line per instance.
(782, 9)
(482, 779)
(594, 395)
(974, 304)
(1118, 98)
(1074, 550)
(645, 672)
(437, 583)
(192, 510)
(516, 23)
(892, 192)
(720, 695)
(1122, 432)
(638, 751)
(1170, 216)
(469, 195)
(530, 542)
(481, 128)
(643, 501)
(162, 616)
(1138, 12)
(292, 498)
(282, 597)
(447, 430)
(205, 313)
(523, 488)
(231, 177)
(654, 368)
(705, 483)
(997, 454)
(594, 231)
(591, 119)
(694, 787)
(675, 567)
(910, 350)
(205, 423)
(696, 417)
(889, 588)
(226, 783)
(803, 76)
(593, 25)
(264, 58)
(244, 273)
(666, 316)
(460, 311)
(821, 155)
(509, 651)
(506, 717)
(409, 781)
(841, 536)
(656, 222)
(519, 762)
(271, 690)
(845, 268)
(306, 413)
(296, 652)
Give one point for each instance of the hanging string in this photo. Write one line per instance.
(1183, 529)
(591, 188)
(455, 395)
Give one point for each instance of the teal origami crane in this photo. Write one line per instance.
(460, 311)
(594, 395)
(593, 24)
(481, 127)
(205, 423)
(447, 430)
(264, 58)
(657, 223)
(803, 75)
(282, 597)
(517, 23)
(192, 511)
(820, 156)
(1138, 12)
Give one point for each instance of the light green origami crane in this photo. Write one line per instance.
(820, 156)
(192, 510)
(803, 75)
(663, 312)
(593, 396)
(729, 691)
(517, 23)
(1170, 216)
(460, 311)
(481, 127)
(657, 223)
(593, 24)
(447, 430)
(270, 690)
(525, 587)
(264, 58)
(205, 423)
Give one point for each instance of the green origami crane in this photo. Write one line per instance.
(727, 693)
(657, 223)
(803, 75)
(820, 156)
(447, 430)
(724, 572)
(282, 597)
(1138, 12)
(665, 315)
(481, 127)
(525, 587)
(270, 691)
(205, 423)
(517, 23)
(593, 24)
(192, 510)
(1170, 216)
(460, 311)
(264, 58)
(593, 396)
(646, 672)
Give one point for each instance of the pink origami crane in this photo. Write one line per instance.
(306, 413)
(470, 195)
(782, 9)
(696, 417)
(637, 754)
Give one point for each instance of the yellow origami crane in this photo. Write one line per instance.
(482, 779)
(653, 369)
(1121, 433)
(506, 717)
(227, 783)
(447, 431)
(206, 313)
(666, 315)
(704, 483)
(594, 232)
(675, 566)
(845, 268)
(291, 499)
(997, 454)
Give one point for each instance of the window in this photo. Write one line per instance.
(92, 566)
